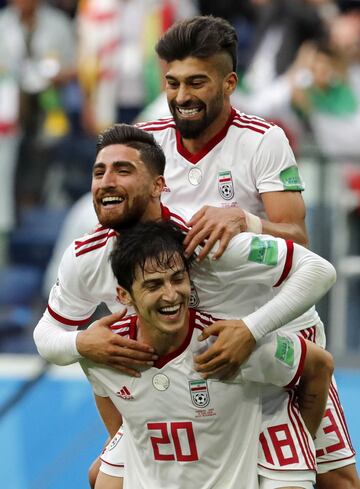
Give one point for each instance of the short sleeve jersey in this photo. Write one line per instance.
(248, 157)
(177, 423)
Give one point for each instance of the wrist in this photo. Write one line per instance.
(253, 223)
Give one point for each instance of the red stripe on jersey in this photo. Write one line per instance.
(113, 465)
(288, 262)
(157, 122)
(300, 368)
(68, 322)
(79, 244)
(98, 245)
(309, 333)
(246, 126)
(333, 394)
(253, 120)
(196, 157)
(154, 127)
(301, 433)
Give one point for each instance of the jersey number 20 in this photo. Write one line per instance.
(179, 438)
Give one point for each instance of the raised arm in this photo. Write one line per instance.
(309, 279)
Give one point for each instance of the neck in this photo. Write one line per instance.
(197, 144)
(163, 343)
(153, 211)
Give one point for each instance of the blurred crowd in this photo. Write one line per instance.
(70, 68)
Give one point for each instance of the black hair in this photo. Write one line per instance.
(198, 37)
(158, 241)
(150, 151)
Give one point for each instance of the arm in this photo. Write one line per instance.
(62, 346)
(286, 216)
(314, 385)
(310, 278)
(109, 414)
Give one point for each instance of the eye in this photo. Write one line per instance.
(172, 84)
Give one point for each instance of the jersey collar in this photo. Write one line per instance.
(196, 157)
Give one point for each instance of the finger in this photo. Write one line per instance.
(212, 330)
(125, 370)
(224, 241)
(197, 216)
(197, 234)
(219, 373)
(210, 242)
(213, 364)
(132, 345)
(128, 353)
(112, 318)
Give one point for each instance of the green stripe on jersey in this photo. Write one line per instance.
(285, 350)
(291, 179)
(263, 251)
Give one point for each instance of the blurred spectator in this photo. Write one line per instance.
(119, 70)
(37, 52)
(329, 97)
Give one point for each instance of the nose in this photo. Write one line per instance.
(183, 95)
(108, 180)
(169, 292)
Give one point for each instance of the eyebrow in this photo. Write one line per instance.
(157, 280)
(115, 164)
(201, 76)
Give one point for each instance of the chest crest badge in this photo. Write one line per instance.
(225, 184)
(199, 393)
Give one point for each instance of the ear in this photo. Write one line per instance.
(124, 296)
(158, 186)
(230, 83)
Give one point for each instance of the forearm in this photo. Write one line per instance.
(55, 342)
(314, 386)
(311, 278)
(286, 230)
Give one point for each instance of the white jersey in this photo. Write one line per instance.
(181, 428)
(248, 157)
(249, 274)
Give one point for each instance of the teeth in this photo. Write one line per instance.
(169, 309)
(111, 200)
(188, 112)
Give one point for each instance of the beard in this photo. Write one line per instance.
(192, 129)
(128, 218)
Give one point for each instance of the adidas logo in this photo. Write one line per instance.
(124, 393)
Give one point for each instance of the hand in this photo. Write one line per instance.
(100, 344)
(232, 347)
(211, 224)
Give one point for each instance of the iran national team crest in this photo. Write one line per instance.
(226, 186)
(199, 393)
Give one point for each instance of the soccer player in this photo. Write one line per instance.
(183, 430)
(127, 183)
(244, 166)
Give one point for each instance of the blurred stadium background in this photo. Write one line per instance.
(49, 428)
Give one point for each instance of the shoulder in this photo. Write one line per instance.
(99, 240)
(159, 127)
(126, 327)
(249, 124)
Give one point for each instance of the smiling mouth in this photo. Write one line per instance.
(105, 201)
(191, 112)
(169, 310)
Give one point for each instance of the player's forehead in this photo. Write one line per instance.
(118, 152)
(192, 67)
(164, 266)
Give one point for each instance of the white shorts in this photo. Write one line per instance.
(113, 456)
(285, 443)
(276, 484)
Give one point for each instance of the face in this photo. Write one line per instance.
(198, 94)
(122, 187)
(161, 295)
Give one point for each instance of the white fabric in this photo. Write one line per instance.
(209, 419)
(86, 279)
